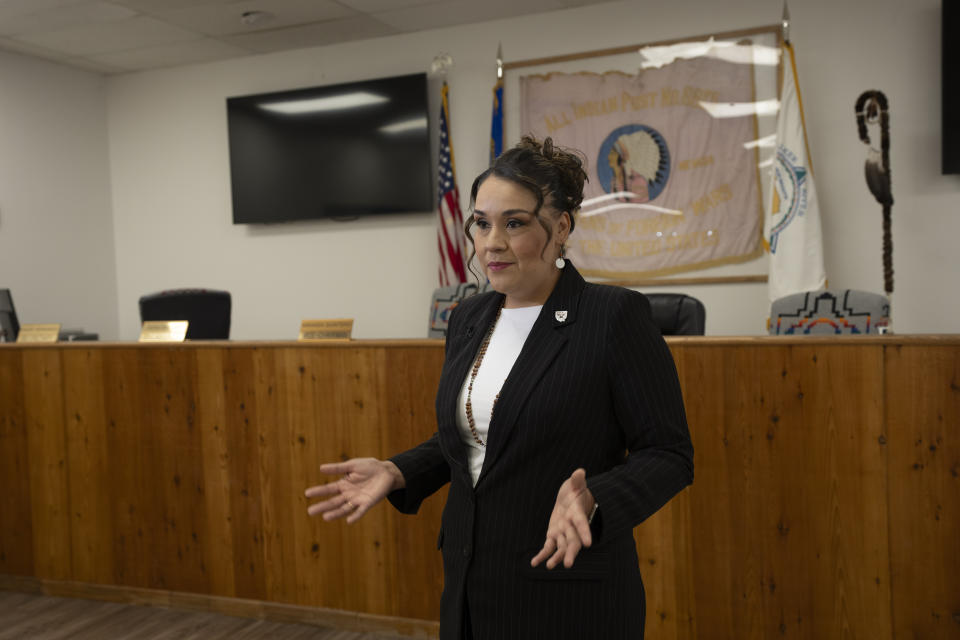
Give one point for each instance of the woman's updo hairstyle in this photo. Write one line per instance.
(553, 175)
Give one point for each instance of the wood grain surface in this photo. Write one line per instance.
(826, 501)
(923, 441)
(83, 615)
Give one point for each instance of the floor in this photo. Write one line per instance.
(37, 617)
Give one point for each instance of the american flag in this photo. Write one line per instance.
(451, 239)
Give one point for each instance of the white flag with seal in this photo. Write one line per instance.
(792, 226)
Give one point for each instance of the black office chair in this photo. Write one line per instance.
(207, 311)
(677, 314)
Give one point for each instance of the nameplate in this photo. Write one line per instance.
(163, 331)
(38, 333)
(323, 330)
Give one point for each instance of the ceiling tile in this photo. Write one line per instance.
(154, 7)
(55, 19)
(169, 55)
(83, 40)
(582, 3)
(91, 65)
(224, 19)
(313, 35)
(462, 12)
(13, 8)
(375, 6)
(9, 44)
(107, 35)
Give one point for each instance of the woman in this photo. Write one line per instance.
(560, 427)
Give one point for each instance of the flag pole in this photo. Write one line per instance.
(785, 23)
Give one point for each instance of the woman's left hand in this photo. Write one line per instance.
(569, 529)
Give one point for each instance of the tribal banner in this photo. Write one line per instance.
(672, 163)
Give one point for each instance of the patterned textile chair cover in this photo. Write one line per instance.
(207, 311)
(827, 312)
(443, 302)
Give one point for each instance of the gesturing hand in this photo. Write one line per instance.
(568, 530)
(365, 482)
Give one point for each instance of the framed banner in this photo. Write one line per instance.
(676, 136)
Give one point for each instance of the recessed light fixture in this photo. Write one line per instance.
(255, 17)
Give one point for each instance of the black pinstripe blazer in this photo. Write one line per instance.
(596, 388)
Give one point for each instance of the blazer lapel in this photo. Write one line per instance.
(541, 347)
(474, 329)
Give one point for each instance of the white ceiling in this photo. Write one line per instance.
(116, 36)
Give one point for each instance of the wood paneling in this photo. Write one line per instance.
(89, 467)
(923, 444)
(49, 466)
(826, 501)
(16, 522)
(789, 537)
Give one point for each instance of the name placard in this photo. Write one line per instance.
(163, 331)
(38, 333)
(322, 330)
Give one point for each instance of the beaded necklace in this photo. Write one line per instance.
(473, 376)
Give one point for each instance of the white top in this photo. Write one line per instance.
(509, 334)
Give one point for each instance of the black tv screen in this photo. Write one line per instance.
(340, 150)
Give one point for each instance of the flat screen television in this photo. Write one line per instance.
(9, 327)
(342, 150)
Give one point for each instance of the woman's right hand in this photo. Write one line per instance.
(364, 483)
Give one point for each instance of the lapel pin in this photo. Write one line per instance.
(561, 316)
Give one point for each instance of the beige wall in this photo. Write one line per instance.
(56, 226)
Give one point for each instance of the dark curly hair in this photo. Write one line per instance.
(554, 176)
